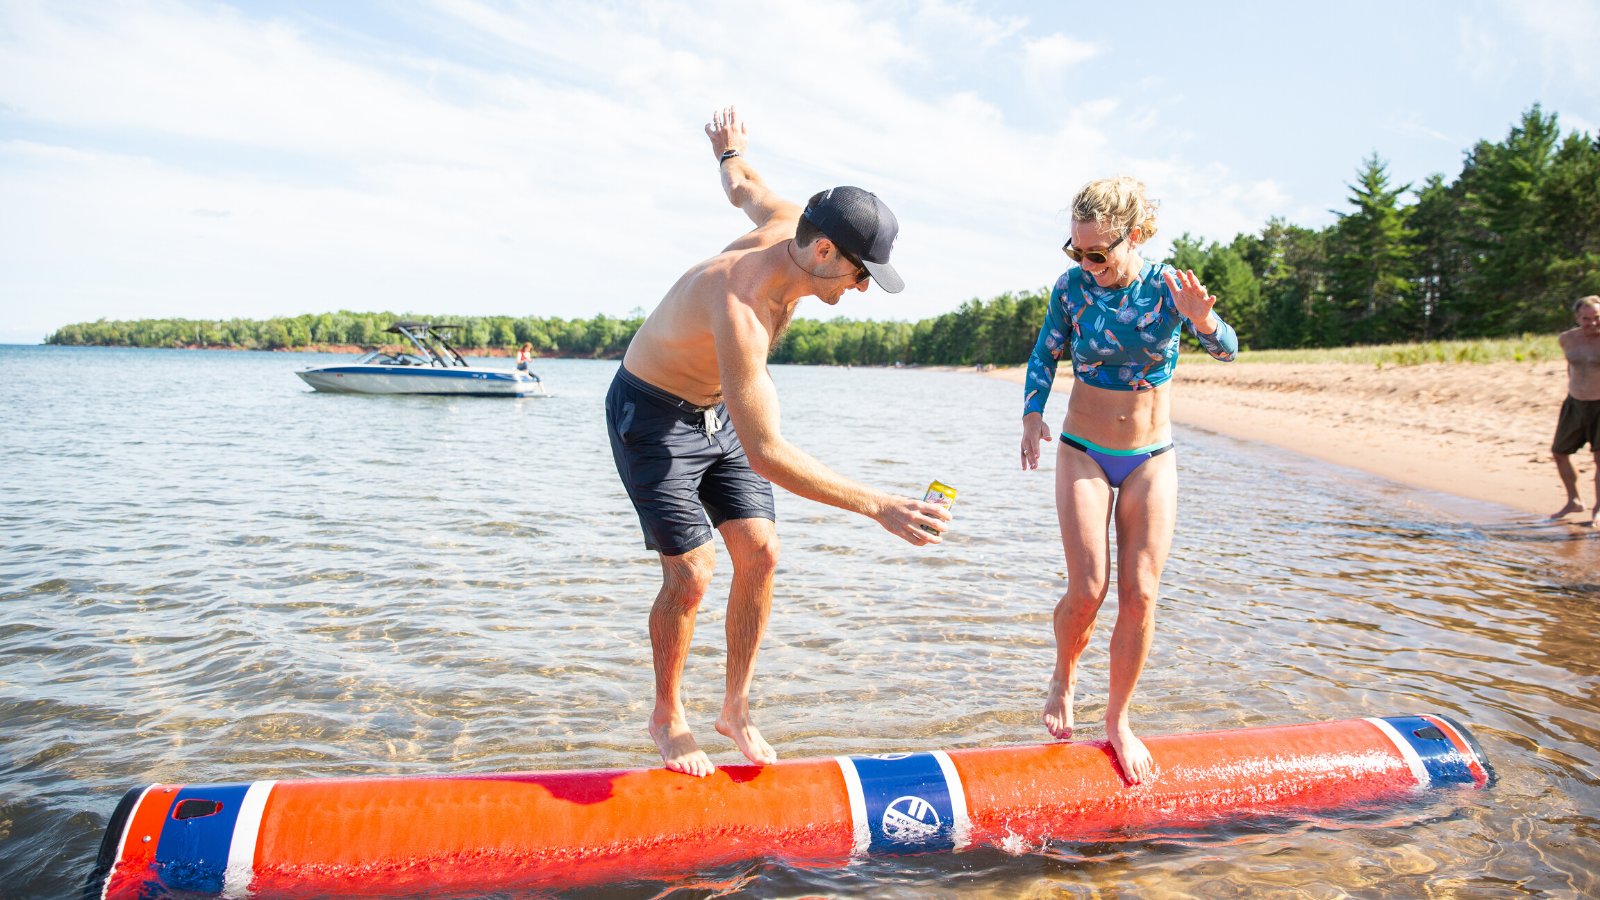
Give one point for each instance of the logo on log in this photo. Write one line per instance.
(910, 820)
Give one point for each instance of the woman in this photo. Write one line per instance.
(1119, 317)
(523, 356)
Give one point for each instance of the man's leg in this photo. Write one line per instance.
(753, 545)
(1147, 507)
(1569, 479)
(685, 579)
(1596, 516)
(1083, 507)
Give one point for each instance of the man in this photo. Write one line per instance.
(693, 419)
(1579, 422)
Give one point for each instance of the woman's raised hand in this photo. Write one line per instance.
(1192, 299)
(1033, 430)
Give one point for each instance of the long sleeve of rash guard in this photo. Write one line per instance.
(1047, 351)
(1222, 344)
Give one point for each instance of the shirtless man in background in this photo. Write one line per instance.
(1579, 422)
(697, 366)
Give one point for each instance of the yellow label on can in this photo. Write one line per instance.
(939, 494)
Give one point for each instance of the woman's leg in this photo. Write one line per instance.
(1083, 506)
(1146, 511)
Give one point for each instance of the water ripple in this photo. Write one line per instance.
(210, 574)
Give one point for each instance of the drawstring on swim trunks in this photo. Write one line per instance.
(712, 425)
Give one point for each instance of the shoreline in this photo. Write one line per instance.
(350, 349)
(1480, 431)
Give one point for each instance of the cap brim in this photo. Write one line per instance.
(885, 275)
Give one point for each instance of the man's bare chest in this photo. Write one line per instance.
(1583, 354)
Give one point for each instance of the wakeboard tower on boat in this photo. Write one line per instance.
(432, 366)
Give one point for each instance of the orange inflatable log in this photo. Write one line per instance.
(318, 837)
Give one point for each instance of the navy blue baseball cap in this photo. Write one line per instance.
(859, 223)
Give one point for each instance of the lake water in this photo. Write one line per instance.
(209, 573)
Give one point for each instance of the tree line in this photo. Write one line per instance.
(1502, 249)
(601, 337)
(1000, 329)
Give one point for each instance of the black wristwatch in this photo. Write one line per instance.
(727, 155)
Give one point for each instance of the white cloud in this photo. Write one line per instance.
(1057, 52)
(174, 158)
(1568, 35)
(1412, 123)
(1487, 63)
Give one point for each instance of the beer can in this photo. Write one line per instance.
(939, 494)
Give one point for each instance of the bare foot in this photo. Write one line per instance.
(1058, 711)
(751, 744)
(678, 748)
(1571, 507)
(1131, 754)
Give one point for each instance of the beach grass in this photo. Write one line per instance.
(1526, 348)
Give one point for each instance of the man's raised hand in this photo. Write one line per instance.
(727, 132)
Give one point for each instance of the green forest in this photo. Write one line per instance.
(1501, 249)
(600, 337)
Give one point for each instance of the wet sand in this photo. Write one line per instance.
(1476, 431)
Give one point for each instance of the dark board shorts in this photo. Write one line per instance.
(678, 471)
(1578, 424)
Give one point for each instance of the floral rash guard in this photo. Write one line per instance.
(1122, 339)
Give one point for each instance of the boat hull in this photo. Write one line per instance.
(420, 380)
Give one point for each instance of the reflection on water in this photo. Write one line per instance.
(211, 574)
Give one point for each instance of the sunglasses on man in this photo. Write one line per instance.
(1098, 257)
(861, 271)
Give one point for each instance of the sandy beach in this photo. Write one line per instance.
(1477, 431)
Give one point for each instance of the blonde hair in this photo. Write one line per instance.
(1119, 202)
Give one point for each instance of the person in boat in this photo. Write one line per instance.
(693, 420)
(524, 357)
(1116, 319)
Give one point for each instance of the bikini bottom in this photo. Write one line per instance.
(1117, 464)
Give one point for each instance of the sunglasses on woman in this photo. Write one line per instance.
(1098, 257)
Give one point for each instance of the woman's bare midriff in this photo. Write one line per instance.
(1119, 420)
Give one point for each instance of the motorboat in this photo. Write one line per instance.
(432, 365)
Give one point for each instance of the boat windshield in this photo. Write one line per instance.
(396, 358)
(430, 344)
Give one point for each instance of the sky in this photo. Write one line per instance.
(168, 158)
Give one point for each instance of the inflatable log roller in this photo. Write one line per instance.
(550, 829)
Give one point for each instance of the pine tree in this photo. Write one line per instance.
(1371, 261)
(1440, 262)
(1510, 285)
(1570, 204)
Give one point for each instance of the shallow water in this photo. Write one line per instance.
(210, 573)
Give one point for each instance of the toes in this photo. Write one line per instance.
(1141, 771)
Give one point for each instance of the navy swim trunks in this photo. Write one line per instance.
(681, 464)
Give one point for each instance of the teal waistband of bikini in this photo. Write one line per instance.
(1093, 446)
